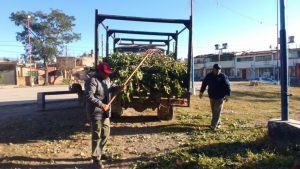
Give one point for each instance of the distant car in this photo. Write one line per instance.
(268, 80)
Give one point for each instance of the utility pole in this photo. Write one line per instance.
(66, 51)
(173, 47)
(191, 7)
(283, 65)
(29, 51)
(217, 46)
(192, 59)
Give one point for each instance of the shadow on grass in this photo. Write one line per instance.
(24, 162)
(48, 125)
(61, 163)
(135, 119)
(262, 95)
(172, 128)
(256, 154)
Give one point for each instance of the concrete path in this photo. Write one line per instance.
(11, 95)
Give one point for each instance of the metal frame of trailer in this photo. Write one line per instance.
(188, 24)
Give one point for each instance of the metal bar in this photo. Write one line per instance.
(176, 45)
(190, 57)
(104, 26)
(142, 44)
(96, 39)
(107, 39)
(277, 46)
(142, 19)
(182, 30)
(114, 44)
(168, 47)
(179, 33)
(141, 32)
(141, 40)
(283, 64)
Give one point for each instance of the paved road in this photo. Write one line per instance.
(13, 96)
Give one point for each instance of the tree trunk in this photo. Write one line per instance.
(46, 83)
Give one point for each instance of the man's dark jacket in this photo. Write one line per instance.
(218, 85)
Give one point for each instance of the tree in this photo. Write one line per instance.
(49, 33)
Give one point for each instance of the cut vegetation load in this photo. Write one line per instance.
(159, 79)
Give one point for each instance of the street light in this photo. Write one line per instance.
(29, 50)
(224, 46)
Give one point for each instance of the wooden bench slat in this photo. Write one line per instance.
(41, 100)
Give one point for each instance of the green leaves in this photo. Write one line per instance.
(49, 32)
(159, 75)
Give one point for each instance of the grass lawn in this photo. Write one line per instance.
(242, 142)
(58, 138)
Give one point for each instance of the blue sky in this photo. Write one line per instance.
(243, 24)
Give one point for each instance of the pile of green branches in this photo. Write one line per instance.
(159, 76)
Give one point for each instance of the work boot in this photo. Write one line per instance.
(215, 127)
(218, 126)
(105, 157)
(98, 164)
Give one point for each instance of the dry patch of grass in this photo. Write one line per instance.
(242, 142)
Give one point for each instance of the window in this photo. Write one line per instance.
(276, 56)
(212, 58)
(199, 60)
(227, 57)
(263, 58)
(292, 71)
(244, 59)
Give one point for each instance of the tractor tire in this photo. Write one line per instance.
(165, 112)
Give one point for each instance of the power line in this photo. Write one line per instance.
(12, 45)
(80, 46)
(8, 51)
(239, 13)
(7, 41)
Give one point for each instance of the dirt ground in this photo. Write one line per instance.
(60, 137)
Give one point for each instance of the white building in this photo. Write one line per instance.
(248, 65)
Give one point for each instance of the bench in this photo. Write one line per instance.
(41, 97)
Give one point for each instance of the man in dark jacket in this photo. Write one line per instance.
(218, 92)
(98, 94)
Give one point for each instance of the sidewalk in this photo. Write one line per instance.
(12, 95)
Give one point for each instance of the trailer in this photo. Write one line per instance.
(164, 105)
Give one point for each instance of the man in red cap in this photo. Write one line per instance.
(98, 91)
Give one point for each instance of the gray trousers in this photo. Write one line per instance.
(100, 134)
(216, 108)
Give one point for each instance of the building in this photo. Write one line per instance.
(13, 73)
(249, 65)
(72, 67)
(8, 72)
(204, 64)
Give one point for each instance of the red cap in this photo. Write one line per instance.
(104, 67)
